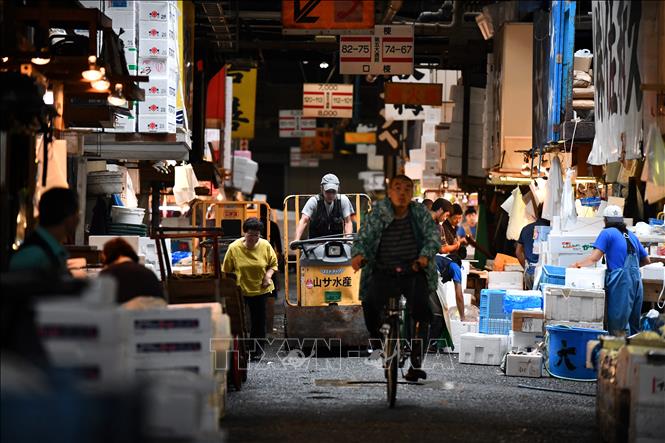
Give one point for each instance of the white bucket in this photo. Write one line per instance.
(582, 60)
(130, 216)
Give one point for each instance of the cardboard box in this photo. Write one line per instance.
(157, 105)
(505, 280)
(585, 278)
(528, 321)
(576, 305)
(482, 349)
(524, 365)
(157, 48)
(159, 123)
(648, 384)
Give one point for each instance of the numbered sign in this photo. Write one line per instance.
(292, 124)
(326, 17)
(327, 100)
(389, 50)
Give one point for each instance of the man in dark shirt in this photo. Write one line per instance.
(134, 279)
(524, 248)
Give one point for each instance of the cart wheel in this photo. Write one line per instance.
(236, 375)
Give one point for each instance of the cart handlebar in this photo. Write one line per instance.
(342, 238)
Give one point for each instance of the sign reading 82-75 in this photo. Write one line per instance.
(389, 50)
(327, 100)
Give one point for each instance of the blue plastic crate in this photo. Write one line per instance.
(553, 275)
(491, 302)
(499, 326)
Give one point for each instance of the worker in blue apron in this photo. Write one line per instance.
(624, 254)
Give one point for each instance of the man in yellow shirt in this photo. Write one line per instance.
(253, 261)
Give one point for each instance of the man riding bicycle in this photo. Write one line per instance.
(397, 244)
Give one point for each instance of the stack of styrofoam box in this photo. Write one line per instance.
(482, 349)
(476, 111)
(244, 173)
(527, 329)
(158, 59)
(457, 328)
(432, 159)
(453, 137)
(124, 15)
(88, 338)
(583, 308)
(638, 369)
(505, 280)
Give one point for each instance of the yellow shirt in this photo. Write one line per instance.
(250, 265)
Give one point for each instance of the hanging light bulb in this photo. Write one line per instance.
(102, 84)
(117, 98)
(5, 59)
(42, 58)
(92, 73)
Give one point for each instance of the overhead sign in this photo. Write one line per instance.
(414, 93)
(292, 124)
(327, 100)
(244, 102)
(389, 50)
(354, 138)
(300, 160)
(322, 143)
(326, 16)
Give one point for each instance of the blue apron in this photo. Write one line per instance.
(623, 287)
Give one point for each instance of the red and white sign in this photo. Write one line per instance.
(327, 100)
(388, 51)
(292, 124)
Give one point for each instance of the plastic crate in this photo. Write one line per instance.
(491, 302)
(496, 316)
(494, 326)
(553, 275)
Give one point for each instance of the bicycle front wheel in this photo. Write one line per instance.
(392, 361)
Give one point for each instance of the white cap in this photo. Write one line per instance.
(613, 212)
(330, 182)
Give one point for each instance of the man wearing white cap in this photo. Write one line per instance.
(624, 255)
(328, 213)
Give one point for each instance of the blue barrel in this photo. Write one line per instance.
(566, 347)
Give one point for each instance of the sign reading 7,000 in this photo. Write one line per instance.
(327, 100)
(333, 16)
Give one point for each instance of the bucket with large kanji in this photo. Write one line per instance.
(567, 347)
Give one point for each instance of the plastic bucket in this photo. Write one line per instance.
(567, 352)
(130, 216)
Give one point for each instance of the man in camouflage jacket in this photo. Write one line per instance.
(410, 236)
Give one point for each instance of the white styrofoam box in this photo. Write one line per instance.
(524, 365)
(417, 155)
(452, 165)
(92, 362)
(576, 324)
(158, 67)
(505, 280)
(432, 151)
(124, 123)
(453, 146)
(157, 10)
(648, 385)
(170, 322)
(646, 424)
(570, 304)
(585, 278)
(431, 167)
(162, 123)
(202, 363)
(122, 18)
(457, 328)
(160, 87)
(131, 58)
(128, 37)
(75, 322)
(158, 30)
(157, 105)
(482, 349)
(430, 181)
(525, 340)
(570, 243)
(184, 350)
(157, 48)
(653, 271)
(513, 268)
(456, 93)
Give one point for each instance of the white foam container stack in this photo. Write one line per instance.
(505, 280)
(482, 349)
(130, 216)
(574, 305)
(585, 278)
(458, 328)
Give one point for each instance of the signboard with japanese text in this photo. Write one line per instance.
(389, 50)
(244, 102)
(321, 285)
(388, 133)
(355, 138)
(322, 143)
(413, 93)
(292, 124)
(327, 100)
(327, 16)
(409, 112)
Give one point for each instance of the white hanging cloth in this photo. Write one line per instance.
(653, 172)
(568, 210)
(185, 182)
(518, 218)
(554, 189)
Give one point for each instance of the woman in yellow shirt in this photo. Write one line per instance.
(253, 261)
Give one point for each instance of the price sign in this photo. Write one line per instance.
(293, 125)
(389, 50)
(327, 100)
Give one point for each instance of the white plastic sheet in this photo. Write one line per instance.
(185, 182)
(653, 172)
(568, 210)
(518, 218)
(553, 191)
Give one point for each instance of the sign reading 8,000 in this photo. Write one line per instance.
(327, 100)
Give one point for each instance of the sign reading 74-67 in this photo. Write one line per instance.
(326, 16)
(389, 50)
